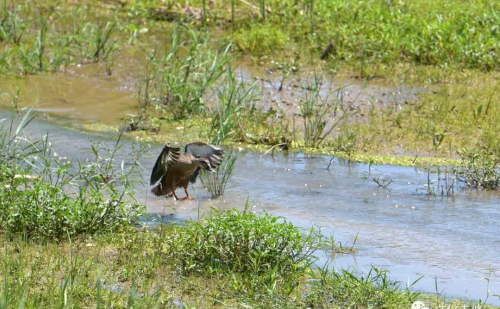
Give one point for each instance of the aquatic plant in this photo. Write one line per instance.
(319, 112)
(441, 180)
(216, 183)
(60, 50)
(478, 169)
(381, 181)
(338, 247)
(234, 98)
(12, 26)
(41, 39)
(101, 43)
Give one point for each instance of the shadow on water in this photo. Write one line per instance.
(452, 241)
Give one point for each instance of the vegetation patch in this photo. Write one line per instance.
(144, 269)
(166, 267)
(261, 40)
(244, 242)
(367, 34)
(48, 197)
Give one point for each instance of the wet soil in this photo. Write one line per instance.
(86, 94)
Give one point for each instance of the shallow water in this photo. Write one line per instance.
(86, 94)
(454, 241)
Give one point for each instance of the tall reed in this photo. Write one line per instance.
(234, 97)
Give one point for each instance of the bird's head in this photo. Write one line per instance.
(205, 164)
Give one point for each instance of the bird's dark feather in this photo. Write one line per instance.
(213, 154)
(195, 175)
(168, 156)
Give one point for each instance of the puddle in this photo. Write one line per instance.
(454, 241)
(81, 95)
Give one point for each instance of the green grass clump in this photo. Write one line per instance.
(244, 242)
(45, 196)
(216, 183)
(177, 78)
(261, 39)
(345, 290)
(43, 210)
(478, 169)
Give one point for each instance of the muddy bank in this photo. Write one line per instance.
(86, 94)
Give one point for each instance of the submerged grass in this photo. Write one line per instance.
(216, 183)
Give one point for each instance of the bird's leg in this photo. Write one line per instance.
(177, 198)
(187, 195)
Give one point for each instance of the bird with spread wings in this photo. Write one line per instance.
(175, 169)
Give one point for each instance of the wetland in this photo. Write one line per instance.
(366, 167)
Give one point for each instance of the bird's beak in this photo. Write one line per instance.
(212, 170)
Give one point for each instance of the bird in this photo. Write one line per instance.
(175, 169)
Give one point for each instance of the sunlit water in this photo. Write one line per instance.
(454, 242)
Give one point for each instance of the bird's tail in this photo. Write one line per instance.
(159, 190)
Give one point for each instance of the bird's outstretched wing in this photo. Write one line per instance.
(168, 156)
(213, 154)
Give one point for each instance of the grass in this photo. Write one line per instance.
(244, 242)
(146, 269)
(319, 110)
(47, 38)
(69, 240)
(216, 183)
(45, 197)
(261, 39)
(177, 78)
(232, 259)
(372, 33)
(453, 116)
(478, 170)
